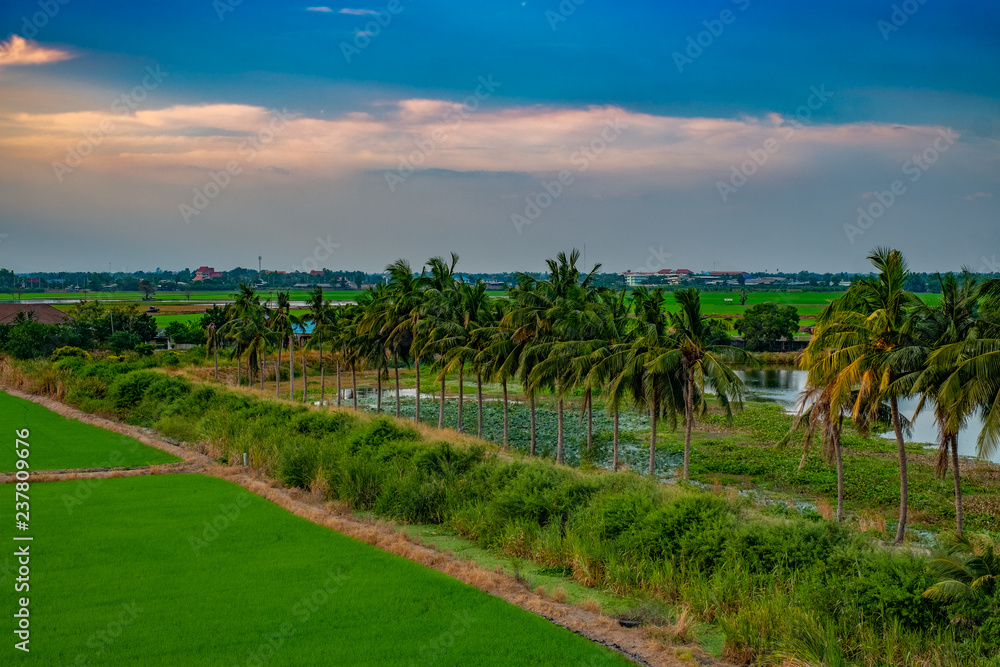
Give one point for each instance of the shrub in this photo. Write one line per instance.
(70, 352)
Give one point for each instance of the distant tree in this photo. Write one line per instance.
(743, 297)
(147, 288)
(765, 323)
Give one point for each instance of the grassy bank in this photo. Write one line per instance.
(775, 584)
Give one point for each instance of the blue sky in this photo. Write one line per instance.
(687, 116)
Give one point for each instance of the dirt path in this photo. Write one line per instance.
(638, 644)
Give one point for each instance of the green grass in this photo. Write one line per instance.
(60, 443)
(338, 600)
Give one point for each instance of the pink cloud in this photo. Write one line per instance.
(440, 134)
(20, 51)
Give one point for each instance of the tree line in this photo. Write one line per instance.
(563, 336)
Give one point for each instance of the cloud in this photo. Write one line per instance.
(324, 10)
(429, 134)
(979, 195)
(20, 51)
(358, 12)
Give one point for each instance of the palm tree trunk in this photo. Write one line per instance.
(559, 422)
(959, 515)
(378, 390)
(395, 365)
(263, 365)
(688, 423)
(277, 371)
(614, 448)
(354, 385)
(441, 409)
(338, 382)
(322, 375)
(216, 348)
(416, 365)
(654, 413)
(479, 403)
(590, 420)
(531, 407)
(239, 368)
(904, 486)
(839, 453)
(506, 419)
(461, 396)
(291, 368)
(305, 375)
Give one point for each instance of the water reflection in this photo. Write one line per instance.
(783, 386)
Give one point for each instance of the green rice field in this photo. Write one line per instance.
(193, 570)
(58, 443)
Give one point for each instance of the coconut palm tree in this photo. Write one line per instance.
(953, 321)
(694, 358)
(869, 332)
(404, 320)
(281, 326)
(439, 320)
(322, 316)
(609, 351)
(549, 313)
(212, 321)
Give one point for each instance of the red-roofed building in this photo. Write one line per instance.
(206, 273)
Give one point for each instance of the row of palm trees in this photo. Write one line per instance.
(556, 336)
(562, 336)
(879, 343)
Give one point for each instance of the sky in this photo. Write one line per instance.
(728, 135)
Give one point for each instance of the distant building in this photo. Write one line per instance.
(668, 276)
(40, 312)
(206, 273)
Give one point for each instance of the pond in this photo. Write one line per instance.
(783, 385)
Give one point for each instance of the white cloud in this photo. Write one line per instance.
(357, 12)
(20, 51)
(324, 10)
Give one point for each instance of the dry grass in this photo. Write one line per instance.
(559, 594)
(871, 520)
(541, 592)
(824, 509)
(592, 605)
